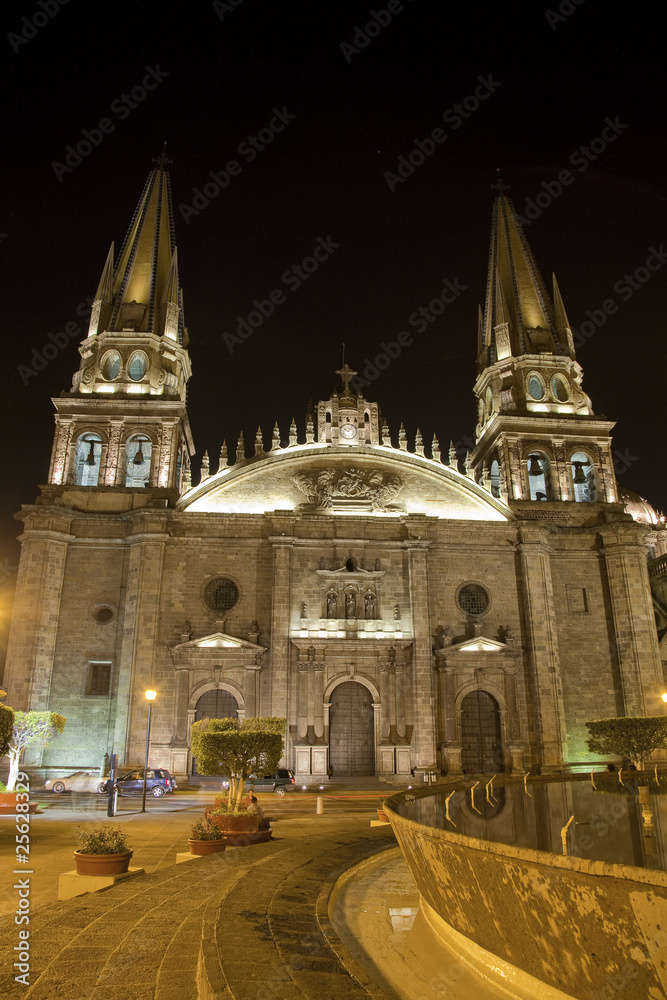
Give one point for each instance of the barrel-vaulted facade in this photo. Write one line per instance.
(402, 613)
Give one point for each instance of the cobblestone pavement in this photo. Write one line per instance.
(249, 924)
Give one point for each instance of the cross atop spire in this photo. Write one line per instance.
(162, 160)
(500, 186)
(346, 373)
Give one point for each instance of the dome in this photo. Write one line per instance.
(640, 509)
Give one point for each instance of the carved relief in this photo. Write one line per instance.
(331, 488)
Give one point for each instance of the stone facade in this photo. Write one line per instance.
(401, 614)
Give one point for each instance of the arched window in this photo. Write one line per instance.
(87, 461)
(583, 478)
(138, 451)
(494, 476)
(538, 476)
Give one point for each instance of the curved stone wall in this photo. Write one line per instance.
(591, 929)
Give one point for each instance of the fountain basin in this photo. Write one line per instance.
(590, 928)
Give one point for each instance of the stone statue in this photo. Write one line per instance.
(369, 605)
(397, 613)
(304, 610)
(350, 605)
(332, 605)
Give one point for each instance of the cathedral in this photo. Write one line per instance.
(405, 612)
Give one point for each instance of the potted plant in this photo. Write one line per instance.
(206, 838)
(102, 851)
(237, 750)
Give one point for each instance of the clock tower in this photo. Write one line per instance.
(347, 418)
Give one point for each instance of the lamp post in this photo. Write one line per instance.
(150, 698)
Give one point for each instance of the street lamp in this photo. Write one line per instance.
(664, 696)
(150, 698)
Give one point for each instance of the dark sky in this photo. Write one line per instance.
(219, 71)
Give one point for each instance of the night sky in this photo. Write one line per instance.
(346, 104)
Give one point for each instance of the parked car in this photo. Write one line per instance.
(80, 781)
(279, 783)
(158, 782)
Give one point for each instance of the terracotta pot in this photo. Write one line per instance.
(382, 816)
(102, 864)
(202, 847)
(231, 823)
(8, 804)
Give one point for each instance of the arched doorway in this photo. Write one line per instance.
(351, 742)
(217, 704)
(481, 743)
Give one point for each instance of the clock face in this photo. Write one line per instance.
(348, 431)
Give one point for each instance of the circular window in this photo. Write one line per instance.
(221, 594)
(559, 388)
(111, 365)
(103, 614)
(535, 387)
(137, 366)
(473, 599)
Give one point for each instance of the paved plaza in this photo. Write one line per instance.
(249, 924)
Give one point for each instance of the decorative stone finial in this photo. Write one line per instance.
(240, 449)
(419, 443)
(435, 449)
(292, 434)
(402, 438)
(204, 467)
(453, 460)
(386, 436)
(310, 432)
(275, 438)
(259, 442)
(222, 464)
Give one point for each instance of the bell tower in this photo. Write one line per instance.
(124, 421)
(537, 436)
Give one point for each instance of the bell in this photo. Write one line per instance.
(139, 457)
(534, 469)
(579, 476)
(91, 454)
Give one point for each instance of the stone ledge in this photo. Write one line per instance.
(71, 884)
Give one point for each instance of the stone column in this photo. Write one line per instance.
(280, 619)
(250, 685)
(424, 739)
(140, 637)
(548, 725)
(318, 698)
(112, 475)
(60, 452)
(181, 731)
(636, 640)
(32, 640)
(384, 699)
(400, 698)
(391, 676)
(303, 699)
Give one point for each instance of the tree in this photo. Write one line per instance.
(6, 727)
(634, 737)
(31, 729)
(224, 747)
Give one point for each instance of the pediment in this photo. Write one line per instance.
(479, 644)
(217, 650)
(326, 479)
(220, 640)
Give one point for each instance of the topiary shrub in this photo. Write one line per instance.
(631, 737)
